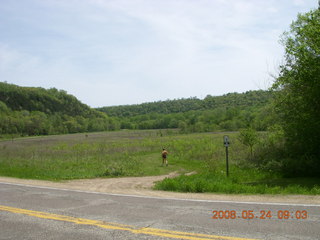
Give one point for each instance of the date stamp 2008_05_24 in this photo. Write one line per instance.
(262, 214)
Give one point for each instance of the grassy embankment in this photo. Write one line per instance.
(137, 153)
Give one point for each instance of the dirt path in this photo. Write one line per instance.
(142, 186)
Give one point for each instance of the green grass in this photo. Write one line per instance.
(107, 154)
(138, 153)
(240, 181)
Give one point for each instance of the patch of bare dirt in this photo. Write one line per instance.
(142, 186)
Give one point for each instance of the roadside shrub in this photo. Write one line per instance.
(249, 137)
(269, 154)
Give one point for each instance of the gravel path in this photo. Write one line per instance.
(142, 186)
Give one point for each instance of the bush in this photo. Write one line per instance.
(249, 137)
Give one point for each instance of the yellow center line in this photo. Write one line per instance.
(117, 226)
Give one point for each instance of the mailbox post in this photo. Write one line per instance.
(226, 144)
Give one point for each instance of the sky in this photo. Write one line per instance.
(119, 52)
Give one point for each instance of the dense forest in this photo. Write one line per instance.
(30, 111)
(228, 112)
(27, 111)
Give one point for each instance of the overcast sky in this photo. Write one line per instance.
(114, 52)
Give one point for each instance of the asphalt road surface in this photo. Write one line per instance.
(29, 212)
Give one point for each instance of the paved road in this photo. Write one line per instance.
(28, 212)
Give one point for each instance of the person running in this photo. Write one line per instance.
(164, 157)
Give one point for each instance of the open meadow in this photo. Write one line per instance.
(138, 153)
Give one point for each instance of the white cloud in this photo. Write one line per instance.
(128, 51)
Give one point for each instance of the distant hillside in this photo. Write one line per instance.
(33, 111)
(250, 98)
(27, 111)
(43, 100)
(228, 112)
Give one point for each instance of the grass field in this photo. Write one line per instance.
(138, 153)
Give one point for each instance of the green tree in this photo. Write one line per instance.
(298, 101)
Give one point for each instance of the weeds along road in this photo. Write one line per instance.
(30, 212)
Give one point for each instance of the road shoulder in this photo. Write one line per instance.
(142, 186)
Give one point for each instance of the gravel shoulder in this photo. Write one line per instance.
(142, 186)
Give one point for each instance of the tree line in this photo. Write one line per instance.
(230, 112)
(249, 98)
(28, 111)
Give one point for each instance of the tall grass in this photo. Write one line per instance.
(109, 154)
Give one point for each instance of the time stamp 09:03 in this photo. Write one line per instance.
(263, 214)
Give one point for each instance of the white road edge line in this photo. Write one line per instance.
(162, 198)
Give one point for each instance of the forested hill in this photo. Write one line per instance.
(34, 111)
(39, 99)
(27, 111)
(228, 112)
(250, 98)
